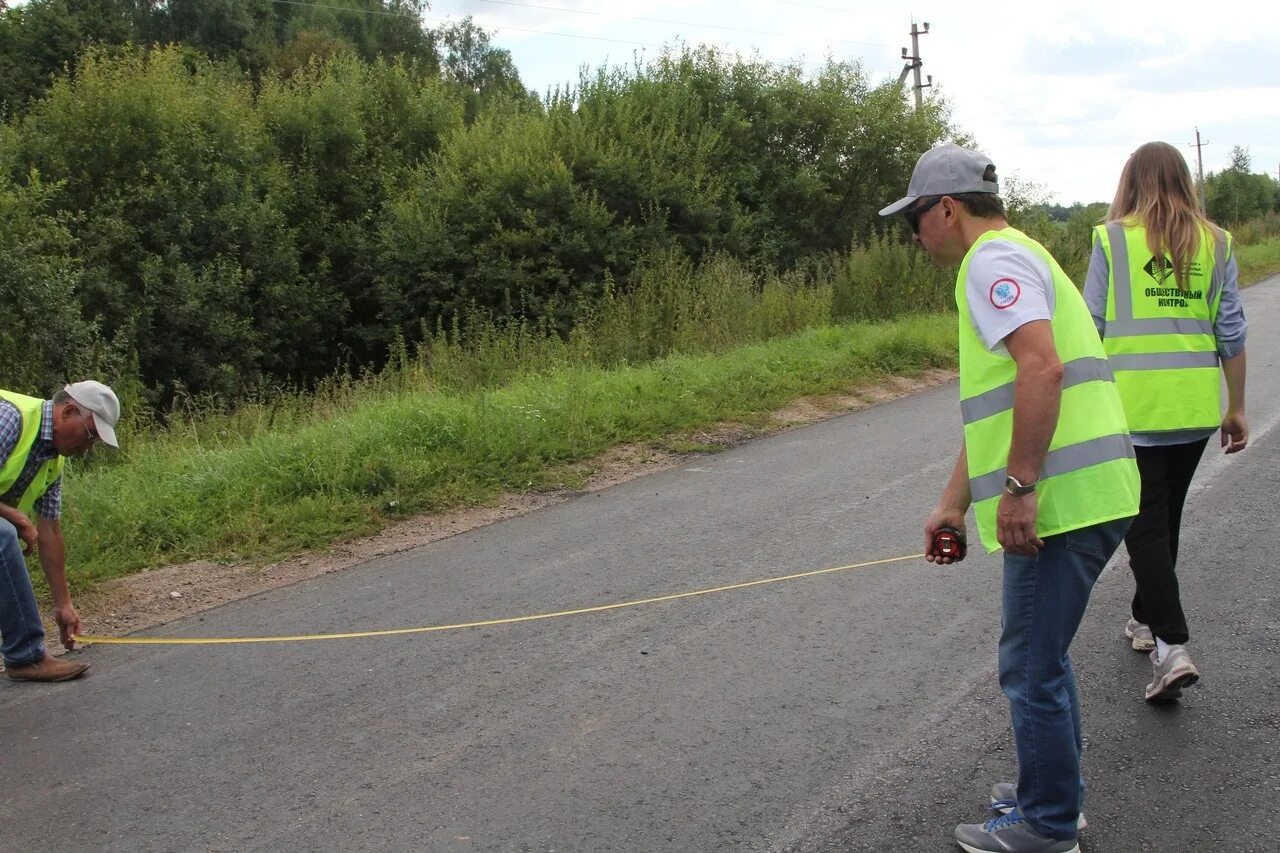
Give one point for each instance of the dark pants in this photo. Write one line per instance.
(1153, 539)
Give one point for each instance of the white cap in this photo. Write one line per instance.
(101, 401)
(946, 170)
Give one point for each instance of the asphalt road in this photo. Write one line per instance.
(848, 712)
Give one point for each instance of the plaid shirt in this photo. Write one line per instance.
(48, 505)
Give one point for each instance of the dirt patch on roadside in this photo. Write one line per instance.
(158, 596)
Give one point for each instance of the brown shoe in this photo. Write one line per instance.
(49, 669)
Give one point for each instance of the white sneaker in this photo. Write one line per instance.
(1171, 675)
(1143, 639)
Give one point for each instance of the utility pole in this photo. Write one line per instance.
(1199, 168)
(914, 64)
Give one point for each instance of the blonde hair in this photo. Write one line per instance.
(1156, 192)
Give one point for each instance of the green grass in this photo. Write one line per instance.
(1258, 261)
(303, 482)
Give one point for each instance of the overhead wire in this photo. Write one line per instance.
(597, 13)
(816, 6)
(557, 34)
(346, 9)
(632, 42)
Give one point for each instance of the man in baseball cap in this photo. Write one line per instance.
(35, 437)
(1033, 375)
(101, 403)
(947, 170)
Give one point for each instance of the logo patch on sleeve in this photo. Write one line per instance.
(1004, 293)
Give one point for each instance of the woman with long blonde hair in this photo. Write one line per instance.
(1162, 288)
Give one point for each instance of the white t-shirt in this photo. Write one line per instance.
(1007, 286)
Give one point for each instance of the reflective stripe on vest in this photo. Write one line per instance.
(31, 409)
(1089, 474)
(1166, 366)
(998, 399)
(1164, 360)
(1058, 462)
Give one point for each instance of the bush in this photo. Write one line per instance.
(44, 341)
(231, 234)
(1257, 230)
(495, 220)
(176, 217)
(348, 134)
(886, 279)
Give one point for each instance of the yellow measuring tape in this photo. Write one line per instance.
(90, 639)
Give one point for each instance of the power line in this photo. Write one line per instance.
(557, 34)
(816, 6)
(1042, 121)
(426, 18)
(346, 9)
(553, 33)
(663, 21)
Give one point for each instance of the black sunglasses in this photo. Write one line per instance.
(913, 214)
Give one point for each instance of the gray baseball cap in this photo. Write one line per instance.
(102, 402)
(946, 170)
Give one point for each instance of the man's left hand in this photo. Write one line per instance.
(1016, 525)
(68, 624)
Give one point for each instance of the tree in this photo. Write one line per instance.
(43, 37)
(1235, 194)
(44, 339)
(483, 72)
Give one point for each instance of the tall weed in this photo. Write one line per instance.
(886, 279)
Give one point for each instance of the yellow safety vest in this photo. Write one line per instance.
(31, 409)
(1089, 474)
(1159, 338)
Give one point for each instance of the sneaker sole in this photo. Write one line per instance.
(1081, 823)
(1171, 688)
(969, 849)
(1138, 643)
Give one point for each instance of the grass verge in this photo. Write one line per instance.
(1258, 260)
(176, 499)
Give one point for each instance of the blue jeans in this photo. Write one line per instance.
(21, 633)
(1044, 600)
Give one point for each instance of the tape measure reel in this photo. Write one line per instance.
(949, 543)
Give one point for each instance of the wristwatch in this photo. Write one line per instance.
(1016, 488)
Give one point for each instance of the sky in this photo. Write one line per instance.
(1057, 94)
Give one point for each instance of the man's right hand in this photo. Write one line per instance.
(938, 519)
(68, 624)
(1235, 432)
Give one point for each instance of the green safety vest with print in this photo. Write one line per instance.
(1089, 474)
(31, 409)
(1159, 338)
